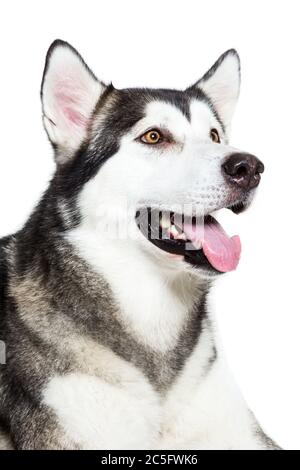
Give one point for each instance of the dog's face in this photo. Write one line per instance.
(150, 166)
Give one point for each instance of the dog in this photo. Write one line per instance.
(104, 304)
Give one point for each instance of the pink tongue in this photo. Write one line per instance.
(222, 252)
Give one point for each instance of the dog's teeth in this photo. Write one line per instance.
(165, 223)
(182, 236)
(174, 231)
(197, 245)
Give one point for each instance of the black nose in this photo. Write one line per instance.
(243, 170)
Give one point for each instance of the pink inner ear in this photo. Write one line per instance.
(69, 106)
(75, 117)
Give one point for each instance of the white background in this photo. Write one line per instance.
(171, 44)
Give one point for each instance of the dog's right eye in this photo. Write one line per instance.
(151, 137)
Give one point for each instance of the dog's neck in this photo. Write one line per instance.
(113, 295)
(154, 303)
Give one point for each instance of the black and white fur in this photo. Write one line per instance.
(110, 342)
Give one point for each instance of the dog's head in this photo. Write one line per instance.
(150, 166)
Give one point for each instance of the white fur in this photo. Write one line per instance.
(98, 415)
(122, 411)
(140, 175)
(149, 304)
(207, 413)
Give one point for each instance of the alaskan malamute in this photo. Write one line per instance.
(109, 342)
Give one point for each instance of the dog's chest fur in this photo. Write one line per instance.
(140, 317)
(84, 353)
(112, 403)
(107, 383)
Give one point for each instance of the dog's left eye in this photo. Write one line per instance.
(151, 137)
(214, 135)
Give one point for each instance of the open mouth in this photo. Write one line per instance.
(200, 241)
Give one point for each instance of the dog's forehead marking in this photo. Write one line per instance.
(168, 115)
(165, 114)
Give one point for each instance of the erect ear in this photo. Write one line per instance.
(222, 85)
(69, 95)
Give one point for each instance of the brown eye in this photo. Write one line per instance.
(151, 137)
(214, 135)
